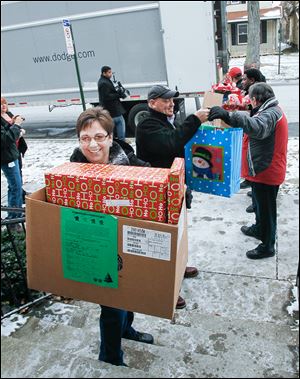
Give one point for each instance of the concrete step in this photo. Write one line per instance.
(229, 296)
(69, 352)
(237, 297)
(24, 359)
(206, 349)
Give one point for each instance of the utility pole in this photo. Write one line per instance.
(221, 33)
(224, 36)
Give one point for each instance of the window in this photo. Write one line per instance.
(263, 31)
(239, 33)
(242, 33)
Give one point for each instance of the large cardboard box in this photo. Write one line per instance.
(148, 283)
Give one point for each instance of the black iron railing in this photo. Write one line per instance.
(15, 293)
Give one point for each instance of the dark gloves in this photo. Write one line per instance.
(188, 198)
(218, 112)
(121, 93)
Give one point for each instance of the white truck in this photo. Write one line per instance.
(144, 42)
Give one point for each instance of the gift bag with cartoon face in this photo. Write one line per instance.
(213, 160)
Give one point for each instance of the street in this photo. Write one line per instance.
(60, 123)
(287, 94)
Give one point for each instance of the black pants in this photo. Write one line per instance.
(264, 201)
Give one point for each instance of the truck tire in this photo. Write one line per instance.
(136, 114)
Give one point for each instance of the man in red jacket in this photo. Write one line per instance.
(267, 129)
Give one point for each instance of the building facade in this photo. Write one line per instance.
(237, 27)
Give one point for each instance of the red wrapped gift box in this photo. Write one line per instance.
(136, 192)
(175, 190)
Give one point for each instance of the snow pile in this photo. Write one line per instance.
(12, 323)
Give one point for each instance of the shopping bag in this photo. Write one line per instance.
(213, 160)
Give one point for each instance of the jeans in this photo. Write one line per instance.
(114, 324)
(264, 202)
(14, 180)
(120, 127)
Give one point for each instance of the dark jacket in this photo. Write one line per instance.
(121, 153)
(109, 98)
(21, 143)
(9, 136)
(159, 142)
(268, 137)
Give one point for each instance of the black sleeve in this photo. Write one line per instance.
(107, 93)
(167, 141)
(9, 135)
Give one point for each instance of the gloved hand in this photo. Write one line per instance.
(188, 198)
(121, 92)
(218, 112)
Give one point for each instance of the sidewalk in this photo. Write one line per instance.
(238, 321)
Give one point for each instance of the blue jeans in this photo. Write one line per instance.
(14, 180)
(120, 127)
(114, 324)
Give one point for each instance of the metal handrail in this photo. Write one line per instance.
(15, 301)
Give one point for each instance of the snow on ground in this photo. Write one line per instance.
(289, 66)
(294, 306)
(12, 323)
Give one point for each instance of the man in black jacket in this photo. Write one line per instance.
(109, 98)
(159, 141)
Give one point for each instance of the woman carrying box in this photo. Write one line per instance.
(96, 145)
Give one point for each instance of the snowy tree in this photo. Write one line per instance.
(253, 46)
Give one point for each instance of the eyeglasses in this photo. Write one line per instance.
(86, 140)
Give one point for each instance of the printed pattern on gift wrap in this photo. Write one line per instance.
(175, 190)
(218, 153)
(90, 186)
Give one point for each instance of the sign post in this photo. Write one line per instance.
(71, 50)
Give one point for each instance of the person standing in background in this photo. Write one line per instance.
(8, 119)
(10, 133)
(236, 76)
(109, 98)
(251, 76)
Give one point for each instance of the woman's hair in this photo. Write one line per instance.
(99, 114)
(261, 91)
(3, 100)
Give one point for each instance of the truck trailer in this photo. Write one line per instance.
(144, 42)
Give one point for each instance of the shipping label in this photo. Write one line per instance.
(147, 243)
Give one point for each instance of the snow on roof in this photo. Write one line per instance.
(268, 13)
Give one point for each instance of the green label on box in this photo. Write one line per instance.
(89, 247)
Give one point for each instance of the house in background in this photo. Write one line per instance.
(237, 27)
